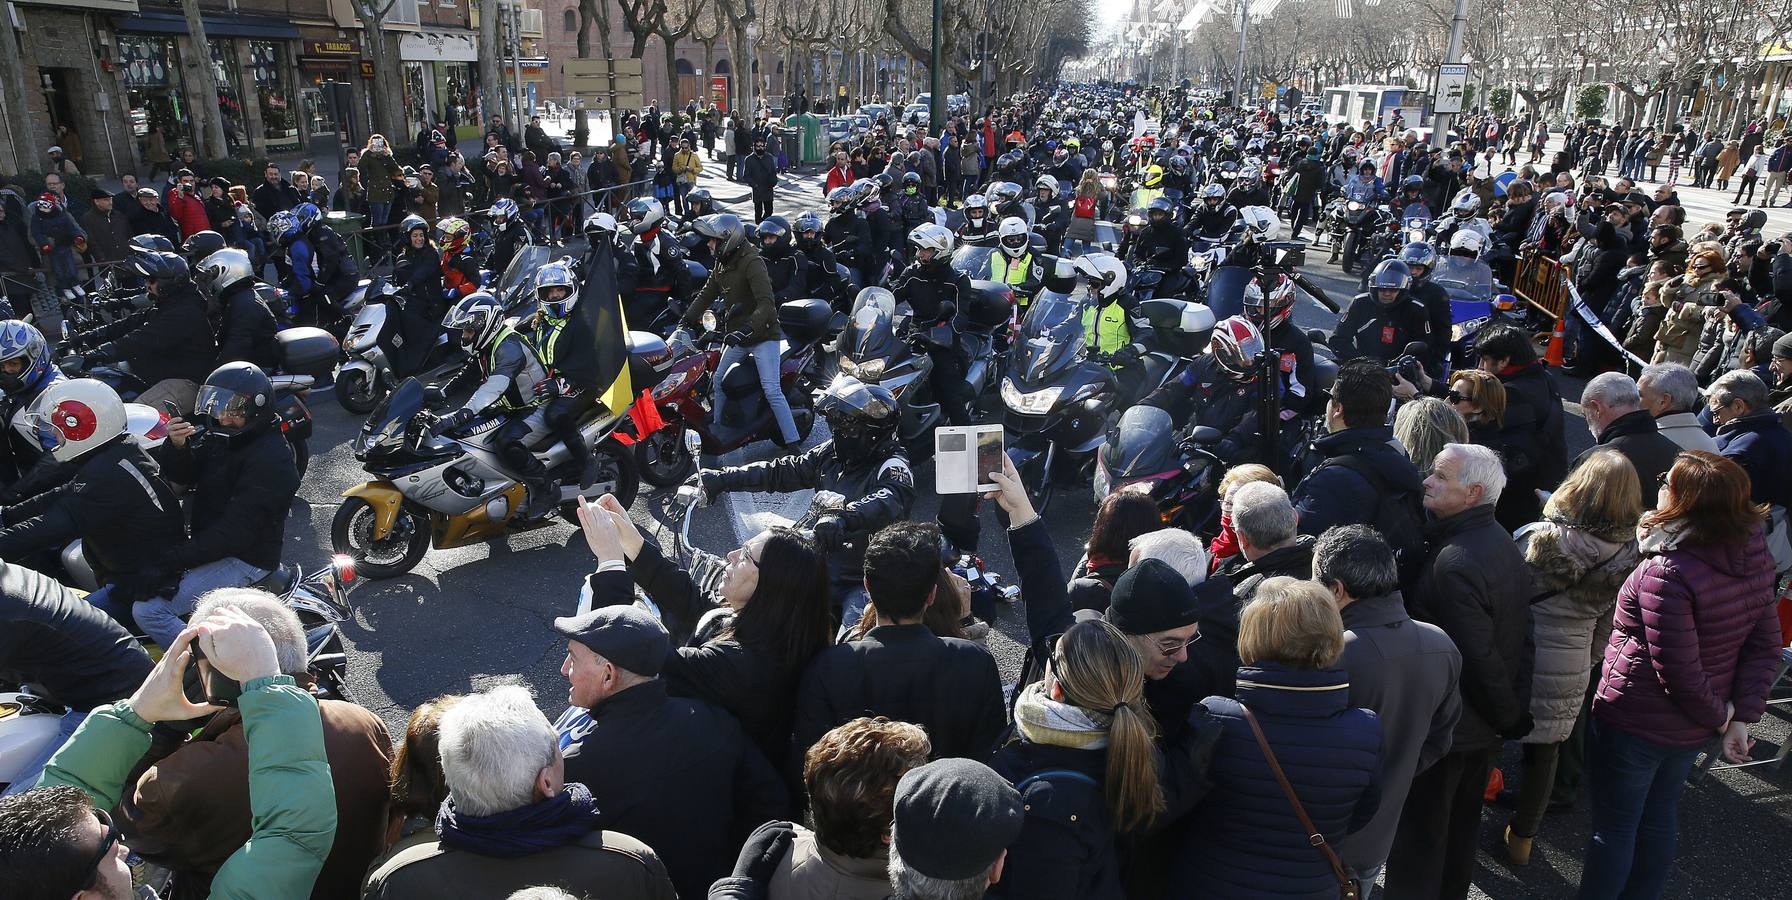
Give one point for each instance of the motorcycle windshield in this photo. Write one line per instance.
(1225, 293)
(871, 329)
(522, 269)
(385, 428)
(1464, 278)
(1051, 335)
(1142, 443)
(973, 260)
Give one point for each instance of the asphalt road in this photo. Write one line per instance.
(479, 615)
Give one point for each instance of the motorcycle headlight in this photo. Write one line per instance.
(1037, 403)
(1203, 262)
(868, 371)
(1103, 484)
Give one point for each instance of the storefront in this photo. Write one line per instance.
(151, 69)
(251, 60)
(441, 79)
(534, 85)
(332, 98)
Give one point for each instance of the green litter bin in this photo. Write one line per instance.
(815, 145)
(349, 226)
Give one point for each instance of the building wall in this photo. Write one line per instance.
(65, 40)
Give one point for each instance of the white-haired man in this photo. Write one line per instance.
(511, 822)
(1477, 587)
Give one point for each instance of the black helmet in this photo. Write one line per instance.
(808, 223)
(1009, 160)
(1390, 275)
(698, 203)
(1418, 253)
(1412, 183)
(1160, 204)
(161, 265)
(774, 237)
(862, 417)
(202, 245)
(727, 230)
(909, 178)
(241, 388)
(153, 242)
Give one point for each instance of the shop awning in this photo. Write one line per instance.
(220, 25)
(439, 46)
(116, 6)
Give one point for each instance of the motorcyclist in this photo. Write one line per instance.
(567, 347)
(459, 270)
(1051, 214)
(420, 265)
(27, 369)
(934, 290)
(861, 462)
(748, 319)
(509, 234)
(1465, 211)
(245, 327)
(242, 478)
(1219, 390)
(1261, 225)
(1015, 264)
(116, 501)
(1013, 166)
(655, 283)
(1248, 190)
(1420, 258)
(1382, 320)
(848, 234)
(1365, 185)
(1161, 247)
(1292, 345)
(910, 206)
(1005, 200)
(786, 268)
(1177, 174)
(201, 245)
(323, 269)
(1412, 203)
(170, 345)
(979, 226)
(1215, 217)
(1106, 324)
(821, 262)
(1151, 187)
(506, 369)
(697, 204)
(880, 226)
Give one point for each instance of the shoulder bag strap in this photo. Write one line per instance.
(1346, 884)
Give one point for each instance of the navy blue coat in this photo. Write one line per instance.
(1339, 495)
(1067, 847)
(1246, 840)
(1762, 447)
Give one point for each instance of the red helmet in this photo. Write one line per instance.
(1235, 346)
(1280, 295)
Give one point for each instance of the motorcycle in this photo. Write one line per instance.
(1362, 221)
(1143, 452)
(376, 355)
(448, 492)
(681, 399)
(1171, 331)
(1476, 301)
(1057, 395)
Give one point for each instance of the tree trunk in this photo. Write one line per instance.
(491, 93)
(211, 118)
(388, 80)
(670, 45)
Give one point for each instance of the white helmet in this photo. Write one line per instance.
(1466, 204)
(602, 223)
(1467, 239)
(1012, 235)
(1104, 272)
(1045, 183)
(1261, 220)
(933, 237)
(76, 416)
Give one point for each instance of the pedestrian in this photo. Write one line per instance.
(1751, 172)
(1694, 649)
(1581, 550)
(1613, 409)
(1779, 161)
(1086, 206)
(1670, 392)
(1727, 160)
(108, 229)
(686, 166)
(511, 819)
(1424, 426)
(1269, 545)
(1359, 469)
(1290, 741)
(380, 178)
(678, 774)
(1476, 587)
(760, 172)
(960, 818)
(418, 785)
(1532, 441)
(1122, 516)
(1405, 672)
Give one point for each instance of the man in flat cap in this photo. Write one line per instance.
(675, 773)
(954, 821)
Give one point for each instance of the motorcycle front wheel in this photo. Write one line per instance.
(663, 459)
(351, 533)
(1349, 252)
(356, 392)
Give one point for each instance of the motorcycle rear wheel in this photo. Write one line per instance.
(356, 392)
(616, 475)
(351, 533)
(663, 458)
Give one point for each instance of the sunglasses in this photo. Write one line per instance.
(1455, 396)
(106, 844)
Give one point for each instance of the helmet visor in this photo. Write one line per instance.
(231, 410)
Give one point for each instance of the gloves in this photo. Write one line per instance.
(434, 394)
(764, 849)
(451, 421)
(46, 248)
(97, 356)
(80, 245)
(1519, 729)
(547, 389)
(830, 533)
(1126, 356)
(735, 338)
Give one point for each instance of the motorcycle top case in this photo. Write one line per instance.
(988, 306)
(805, 321)
(308, 351)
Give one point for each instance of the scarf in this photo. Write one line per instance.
(1043, 720)
(1658, 538)
(542, 825)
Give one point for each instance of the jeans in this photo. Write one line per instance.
(377, 213)
(852, 609)
(1635, 787)
(28, 776)
(1366, 878)
(765, 358)
(162, 618)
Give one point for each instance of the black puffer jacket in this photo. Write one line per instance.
(246, 329)
(51, 636)
(172, 339)
(1535, 449)
(242, 491)
(1294, 561)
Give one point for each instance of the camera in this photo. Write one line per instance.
(1407, 366)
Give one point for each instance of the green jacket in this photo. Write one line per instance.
(747, 303)
(290, 793)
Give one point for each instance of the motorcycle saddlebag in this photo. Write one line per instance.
(308, 351)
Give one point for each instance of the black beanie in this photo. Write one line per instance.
(1151, 597)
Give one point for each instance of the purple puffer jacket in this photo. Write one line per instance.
(1694, 628)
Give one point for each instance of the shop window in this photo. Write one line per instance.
(273, 91)
(152, 88)
(404, 12)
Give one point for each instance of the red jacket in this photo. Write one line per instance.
(188, 211)
(838, 177)
(1694, 628)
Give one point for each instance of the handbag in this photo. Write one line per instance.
(1347, 886)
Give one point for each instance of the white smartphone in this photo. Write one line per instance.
(963, 457)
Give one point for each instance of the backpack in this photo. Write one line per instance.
(1399, 516)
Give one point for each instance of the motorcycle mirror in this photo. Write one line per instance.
(66, 330)
(1205, 434)
(693, 443)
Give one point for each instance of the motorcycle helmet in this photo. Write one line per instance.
(453, 233)
(841, 199)
(1262, 222)
(1179, 165)
(22, 341)
(224, 270)
(1419, 257)
(157, 265)
(1212, 194)
(1107, 146)
(976, 206)
(1466, 242)
(727, 230)
(1160, 205)
(698, 203)
(1010, 161)
(411, 223)
(862, 418)
(1279, 297)
(1249, 176)
(1046, 187)
(1004, 192)
(73, 417)
(644, 214)
(161, 242)
(306, 214)
(933, 240)
(600, 227)
(1060, 156)
(1390, 279)
(201, 245)
(476, 317)
(1012, 235)
(503, 210)
(1412, 184)
(284, 226)
(238, 389)
(808, 230)
(1236, 344)
(911, 181)
(1105, 273)
(1466, 204)
(774, 237)
(869, 192)
(1154, 176)
(556, 289)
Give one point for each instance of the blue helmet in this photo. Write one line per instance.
(284, 226)
(22, 341)
(306, 213)
(504, 210)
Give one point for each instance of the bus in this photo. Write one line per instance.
(1354, 104)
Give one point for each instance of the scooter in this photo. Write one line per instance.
(1144, 453)
(681, 401)
(376, 356)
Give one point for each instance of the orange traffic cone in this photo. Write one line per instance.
(1553, 355)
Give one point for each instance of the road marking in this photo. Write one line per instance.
(750, 512)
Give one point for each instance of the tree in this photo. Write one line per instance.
(641, 18)
(388, 83)
(677, 19)
(491, 96)
(211, 119)
(1590, 103)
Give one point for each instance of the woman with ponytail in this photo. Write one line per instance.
(1084, 760)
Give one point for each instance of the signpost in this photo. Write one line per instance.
(614, 82)
(1452, 81)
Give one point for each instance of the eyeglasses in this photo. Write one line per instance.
(99, 859)
(1661, 480)
(1172, 646)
